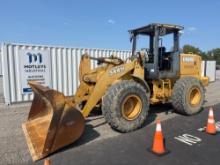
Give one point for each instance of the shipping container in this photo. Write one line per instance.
(210, 70)
(0, 62)
(63, 64)
(203, 68)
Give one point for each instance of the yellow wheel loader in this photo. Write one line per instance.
(123, 89)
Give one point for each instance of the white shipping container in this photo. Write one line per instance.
(0, 62)
(210, 70)
(64, 68)
(203, 68)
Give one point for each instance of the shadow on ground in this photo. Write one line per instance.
(90, 134)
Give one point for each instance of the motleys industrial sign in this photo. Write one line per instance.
(34, 66)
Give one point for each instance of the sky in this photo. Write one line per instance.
(105, 23)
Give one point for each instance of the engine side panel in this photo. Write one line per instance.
(190, 65)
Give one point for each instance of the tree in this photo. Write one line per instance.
(214, 54)
(194, 50)
(191, 49)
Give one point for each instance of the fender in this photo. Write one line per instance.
(142, 82)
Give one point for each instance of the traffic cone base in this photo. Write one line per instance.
(211, 127)
(158, 147)
(212, 133)
(159, 154)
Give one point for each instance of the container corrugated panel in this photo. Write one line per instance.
(64, 68)
(1, 62)
(211, 70)
(203, 68)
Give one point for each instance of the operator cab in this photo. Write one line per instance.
(161, 60)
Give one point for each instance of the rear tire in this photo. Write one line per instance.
(188, 96)
(125, 106)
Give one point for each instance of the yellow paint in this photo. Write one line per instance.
(112, 74)
(190, 65)
(194, 96)
(131, 107)
(94, 83)
(161, 91)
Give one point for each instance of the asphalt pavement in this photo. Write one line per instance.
(187, 145)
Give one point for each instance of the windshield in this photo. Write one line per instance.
(167, 42)
(142, 43)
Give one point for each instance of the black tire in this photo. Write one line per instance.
(114, 99)
(181, 96)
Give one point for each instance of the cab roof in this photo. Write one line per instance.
(150, 29)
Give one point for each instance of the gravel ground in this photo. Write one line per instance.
(13, 145)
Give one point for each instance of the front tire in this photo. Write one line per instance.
(125, 106)
(188, 96)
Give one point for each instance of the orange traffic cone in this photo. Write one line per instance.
(47, 161)
(211, 128)
(158, 142)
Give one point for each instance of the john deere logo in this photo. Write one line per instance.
(32, 57)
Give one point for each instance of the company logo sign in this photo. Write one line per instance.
(32, 57)
(34, 66)
(34, 63)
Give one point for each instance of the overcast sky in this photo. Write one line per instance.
(104, 23)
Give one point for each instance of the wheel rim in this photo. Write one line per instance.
(131, 107)
(194, 96)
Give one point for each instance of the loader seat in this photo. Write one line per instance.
(164, 59)
(161, 52)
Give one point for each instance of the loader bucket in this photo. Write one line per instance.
(53, 122)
